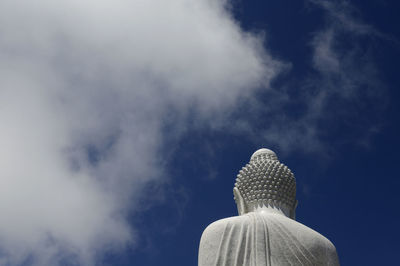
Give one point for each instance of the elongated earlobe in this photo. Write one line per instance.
(241, 205)
(293, 211)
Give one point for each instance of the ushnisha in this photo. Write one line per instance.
(265, 232)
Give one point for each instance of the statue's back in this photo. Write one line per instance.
(263, 238)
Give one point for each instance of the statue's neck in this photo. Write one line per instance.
(270, 210)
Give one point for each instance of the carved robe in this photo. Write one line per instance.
(264, 239)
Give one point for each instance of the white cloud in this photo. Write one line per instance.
(86, 87)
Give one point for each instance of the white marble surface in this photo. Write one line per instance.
(265, 232)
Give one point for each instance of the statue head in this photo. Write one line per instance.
(265, 182)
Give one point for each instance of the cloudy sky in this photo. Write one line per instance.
(124, 123)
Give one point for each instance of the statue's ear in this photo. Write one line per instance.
(241, 205)
(293, 212)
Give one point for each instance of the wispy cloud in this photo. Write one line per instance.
(342, 95)
(350, 91)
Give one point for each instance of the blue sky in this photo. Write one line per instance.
(124, 123)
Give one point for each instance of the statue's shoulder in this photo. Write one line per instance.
(304, 237)
(217, 228)
(217, 235)
(312, 236)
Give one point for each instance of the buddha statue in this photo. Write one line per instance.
(265, 232)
